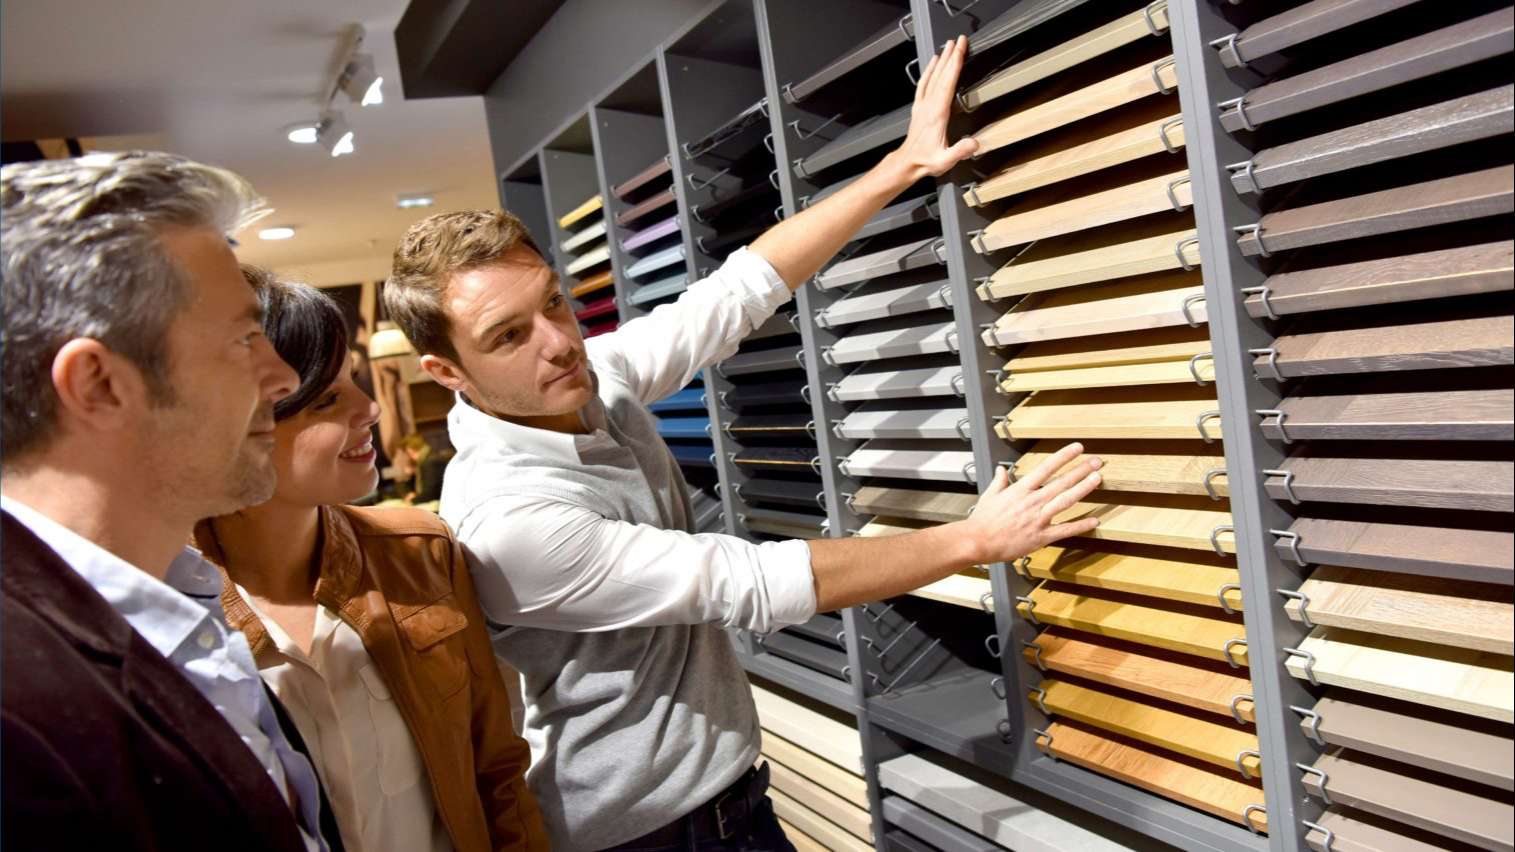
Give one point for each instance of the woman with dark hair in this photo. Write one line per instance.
(364, 622)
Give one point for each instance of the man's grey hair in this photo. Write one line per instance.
(82, 258)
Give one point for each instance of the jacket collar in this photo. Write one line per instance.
(37, 577)
(339, 573)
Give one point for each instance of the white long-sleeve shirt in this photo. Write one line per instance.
(637, 709)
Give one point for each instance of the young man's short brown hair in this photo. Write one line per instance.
(431, 252)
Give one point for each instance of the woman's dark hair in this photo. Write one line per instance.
(308, 331)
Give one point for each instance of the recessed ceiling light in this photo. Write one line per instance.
(280, 233)
(303, 133)
(407, 202)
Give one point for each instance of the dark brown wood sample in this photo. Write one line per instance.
(1457, 415)
(1488, 192)
(1463, 271)
(1456, 744)
(1487, 486)
(1474, 342)
(1463, 812)
(1300, 24)
(655, 202)
(1480, 556)
(1463, 119)
(643, 177)
(1451, 47)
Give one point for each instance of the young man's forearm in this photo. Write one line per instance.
(852, 571)
(799, 246)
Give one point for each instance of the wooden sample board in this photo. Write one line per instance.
(1177, 343)
(1174, 411)
(1448, 415)
(1042, 215)
(1465, 813)
(1464, 119)
(1467, 270)
(1479, 556)
(1476, 616)
(922, 505)
(1202, 579)
(1438, 344)
(801, 841)
(1146, 79)
(1163, 520)
(1194, 784)
(1302, 23)
(1223, 745)
(1157, 467)
(1420, 56)
(1135, 304)
(1488, 192)
(1120, 375)
(1473, 682)
(828, 834)
(1178, 678)
(1437, 740)
(988, 811)
(829, 776)
(578, 213)
(593, 284)
(1090, 146)
(812, 731)
(1470, 484)
(1122, 617)
(1118, 33)
(1358, 831)
(1103, 254)
(824, 802)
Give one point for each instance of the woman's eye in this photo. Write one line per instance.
(327, 401)
(555, 302)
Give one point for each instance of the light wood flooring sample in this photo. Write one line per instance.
(813, 731)
(1086, 148)
(1194, 784)
(1134, 304)
(1151, 244)
(1165, 520)
(1189, 577)
(1121, 375)
(823, 801)
(801, 841)
(1160, 467)
(1041, 216)
(1123, 617)
(1114, 91)
(813, 825)
(922, 505)
(1122, 31)
(1203, 739)
(1174, 411)
(1179, 678)
(1150, 346)
(823, 772)
(1474, 682)
(1476, 616)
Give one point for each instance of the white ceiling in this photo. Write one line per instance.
(215, 80)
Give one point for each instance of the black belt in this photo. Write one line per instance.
(723, 817)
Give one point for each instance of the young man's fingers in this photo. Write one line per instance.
(1062, 502)
(1058, 532)
(951, 66)
(1047, 469)
(927, 75)
(1071, 476)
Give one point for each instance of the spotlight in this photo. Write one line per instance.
(302, 133)
(361, 82)
(335, 134)
(279, 233)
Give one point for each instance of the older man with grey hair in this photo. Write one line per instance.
(138, 399)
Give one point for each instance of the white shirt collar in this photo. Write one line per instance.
(166, 614)
(465, 421)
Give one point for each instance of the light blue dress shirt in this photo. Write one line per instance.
(181, 619)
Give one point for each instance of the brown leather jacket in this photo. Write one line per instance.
(398, 578)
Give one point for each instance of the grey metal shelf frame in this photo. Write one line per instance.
(924, 678)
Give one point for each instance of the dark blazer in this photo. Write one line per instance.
(104, 745)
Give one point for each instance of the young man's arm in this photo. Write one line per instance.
(799, 246)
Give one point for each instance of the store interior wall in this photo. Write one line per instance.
(600, 39)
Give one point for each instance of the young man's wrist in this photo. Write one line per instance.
(897, 173)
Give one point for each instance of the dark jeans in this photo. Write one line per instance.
(760, 832)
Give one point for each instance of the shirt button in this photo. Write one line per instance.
(207, 640)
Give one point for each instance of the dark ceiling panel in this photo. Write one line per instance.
(449, 48)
